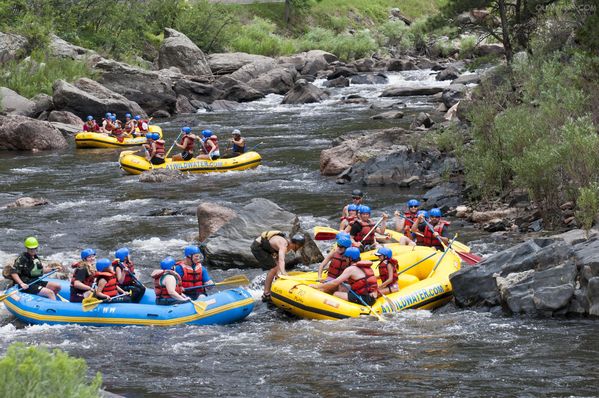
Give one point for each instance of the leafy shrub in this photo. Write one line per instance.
(345, 46)
(588, 206)
(467, 45)
(36, 372)
(259, 38)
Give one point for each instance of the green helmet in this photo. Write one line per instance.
(31, 243)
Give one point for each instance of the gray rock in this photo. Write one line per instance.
(364, 65)
(341, 71)
(404, 91)
(489, 49)
(388, 115)
(27, 201)
(229, 246)
(67, 130)
(536, 226)
(12, 47)
(226, 63)
(423, 119)
(211, 217)
(444, 196)
(87, 97)
(161, 114)
(338, 82)
(162, 176)
(449, 73)
(236, 90)
(26, 134)
(179, 51)
(224, 105)
(304, 93)
(275, 81)
(197, 91)
(65, 117)
(184, 106)
(42, 103)
(311, 62)
(14, 104)
(453, 94)
(593, 296)
(254, 70)
(472, 78)
(63, 49)
(378, 78)
(399, 65)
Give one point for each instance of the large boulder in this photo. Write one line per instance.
(311, 62)
(152, 90)
(197, 91)
(449, 73)
(275, 81)
(26, 134)
(254, 70)
(63, 49)
(236, 90)
(408, 91)
(88, 97)
(399, 65)
(42, 103)
(14, 104)
(444, 196)
(65, 117)
(229, 246)
(304, 93)
(179, 51)
(211, 217)
(454, 94)
(26, 201)
(12, 47)
(225, 63)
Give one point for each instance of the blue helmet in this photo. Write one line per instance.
(90, 117)
(108, 115)
(122, 253)
(413, 202)
(102, 264)
(385, 252)
(364, 209)
(137, 117)
(436, 212)
(352, 207)
(113, 118)
(191, 250)
(353, 253)
(128, 115)
(186, 130)
(155, 136)
(207, 133)
(343, 239)
(85, 253)
(424, 212)
(167, 263)
(149, 136)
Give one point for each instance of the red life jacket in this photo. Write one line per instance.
(160, 290)
(366, 227)
(140, 126)
(191, 277)
(350, 219)
(109, 126)
(124, 266)
(384, 275)
(214, 140)
(93, 127)
(159, 145)
(129, 126)
(111, 283)
(188, 143)
(368, 283)
(337, 265)
(429, 239)
(409, 221)
(89, 281)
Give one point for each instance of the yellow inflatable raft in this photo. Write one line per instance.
(135, 164)
(86, 139)
(423, 284)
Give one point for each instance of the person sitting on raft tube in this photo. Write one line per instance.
(238, 143)
(352, 216)
(187, 143)
(270, 249)
(107, 125)
(90, 125)
(107, 284)
(357, 198)
(209, 146)
(28, 267)
(167, 284)
(404, 224)
(125, 274)
(336, 259)
(360, 277)
(83, 277)
(129, 126)
(360, 229)
(143, 125)
(192, 273)
(154, 148)
(387, 271)
(430, 237)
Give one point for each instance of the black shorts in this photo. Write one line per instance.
(367, 298)
(187, 155)
(265, 258)
(169, 301)
(36, 287)
(157, 160)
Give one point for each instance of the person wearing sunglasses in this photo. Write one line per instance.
(404, 224)
(357, 197)
(432, 238)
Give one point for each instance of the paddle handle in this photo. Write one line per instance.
(255, 146)
(349, 289)
(433, 231)
(172, 146)
(443, 255)
(187, 289)
(40, 278)
(373, 229)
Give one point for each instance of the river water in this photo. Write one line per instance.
(450, 352)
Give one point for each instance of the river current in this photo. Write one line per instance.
(449, 352)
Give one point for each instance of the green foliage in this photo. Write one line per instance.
(36, 372)
(467, 45)
(37, 73)
(259, 38)
(587, 206)
(345, 46)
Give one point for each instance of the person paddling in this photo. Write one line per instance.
(360, 230)
(186, 144)
(192, 273)
(238, 143)
(430, 237)
(167, 284)
(155, 151)
(83, 277)
(387, 270)
(336, 259)
(270, 249)
(129, 126)
(125, 274)
(28, 267)
(210, 148)
(107, 284)
(352, 216)
(404, 224)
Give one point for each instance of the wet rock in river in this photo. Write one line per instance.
(341, 81)
(388, 115)
(304, 93)
(21, 133)
(377, 78)
(211, 217)
(27, 201)
(162, 175)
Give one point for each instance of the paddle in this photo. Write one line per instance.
(372, 229)
(200, 306)
(172, 146)
(363, 302)
(5, 296)
(448, 248)
(470, 259)
(232, 280)
(255, 146)
(91, 302)
(325, 233)
(391, 303)
(64, 300)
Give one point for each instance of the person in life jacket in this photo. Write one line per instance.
(432, 238)
(187, 143)
(192, 273)
(83, 277)
(129, 126)
(360, 279)
(403, 223)
(28, 267)
(107, 125)
(360, 229)
(209, 146)
(387, 271)
(107, 286)
(125, 274)
(357, 197)
(155, 151)
(143, 125)
(117, 129)
(336, 259)
(270, 249)
(90, 125)
(352, 216)
(238, 143)
(168, 285)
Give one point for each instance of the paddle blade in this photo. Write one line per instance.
(200, 306)
(234, 280)
(7, 295)
(89, 303)
(325, 233)
(470, 258)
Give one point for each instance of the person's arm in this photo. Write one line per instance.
(354, 230)
(324, 262)
(400, 222)
(443, 236)
(383, 225)
(120, 274)
(80, 275)
(390, 278)
(280, 244)
(121, 291)
(417, 224)
(206, 279)
(171, 285)
(100, 287)
(345, 275)
(17, 278)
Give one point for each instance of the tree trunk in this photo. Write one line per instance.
(287, 11)
(505, 31)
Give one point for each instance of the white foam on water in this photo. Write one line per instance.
(157, 245)
(28, 170)
(7, 330)
(117, 218)
(79, 203)
(131, 203)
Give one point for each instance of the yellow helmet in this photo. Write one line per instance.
(31, 243)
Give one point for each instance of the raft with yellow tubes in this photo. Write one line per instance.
(87, 139)
(423, 282)
(135, 164)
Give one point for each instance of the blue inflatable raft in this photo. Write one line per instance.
(224, 307)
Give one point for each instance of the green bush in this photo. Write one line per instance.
(587, 206)
(259, 38)
(37, 372)
(467, 45)
(345, 46)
